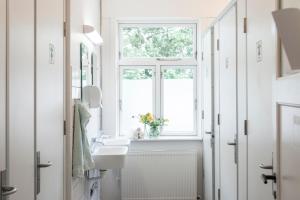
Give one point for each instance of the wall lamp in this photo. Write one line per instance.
(91, 33)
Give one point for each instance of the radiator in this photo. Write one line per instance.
(160, 175)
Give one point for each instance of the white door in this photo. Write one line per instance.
(216, 110)
(228, 105)
(20, 126)
(287, 120)
(208, 147)
(49, 99)
(261, 62)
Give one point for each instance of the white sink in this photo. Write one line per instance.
(116, 142)
(110, 157)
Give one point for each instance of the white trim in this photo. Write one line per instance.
(158, 65)
(170, 138)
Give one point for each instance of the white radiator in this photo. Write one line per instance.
(160, 175)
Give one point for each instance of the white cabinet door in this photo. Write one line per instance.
(261, 62)
(49, 99)
(208, 147)
(21, 98)
(228, 105)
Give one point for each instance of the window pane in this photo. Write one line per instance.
(178, 100)
(137, 97)
(157, 41)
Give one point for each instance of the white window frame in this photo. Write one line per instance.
(195, 101)
(158, 65)
(121, 90)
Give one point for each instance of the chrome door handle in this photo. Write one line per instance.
(8, 190)
(40, 166)
(262, 166)
(265, 178)
(231, 143)
(49, 164)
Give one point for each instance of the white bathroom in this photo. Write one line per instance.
(149, 99)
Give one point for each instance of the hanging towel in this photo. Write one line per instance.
(82, 157)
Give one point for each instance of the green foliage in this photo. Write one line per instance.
(157, 42)
(142, 74)
(137, 74)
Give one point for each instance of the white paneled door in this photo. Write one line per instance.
(49, 99)
(208, 137)
(228, 105)
(20, 116)
(261, 62)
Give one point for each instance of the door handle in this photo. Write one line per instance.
(8, 190)
(49, 164)
(265, 178)
(262, 166)
(208, 132)
(234, 143)
(40, 166)
(231, 143)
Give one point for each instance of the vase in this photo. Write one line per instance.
(146, 132)
(154, 131)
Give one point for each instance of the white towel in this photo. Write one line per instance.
(92, 95)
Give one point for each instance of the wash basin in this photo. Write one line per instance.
(110, 157)
(116, 142)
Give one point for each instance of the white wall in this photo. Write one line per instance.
(84, 12)
(202, 10)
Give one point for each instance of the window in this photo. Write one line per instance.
(158, 74)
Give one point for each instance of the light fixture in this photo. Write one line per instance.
(92, 35)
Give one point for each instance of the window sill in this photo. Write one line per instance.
(169, 138)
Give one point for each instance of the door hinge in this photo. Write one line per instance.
(245, 25)
(202, 56)
(245, 127)
(65, 29)
(202, 114)
(219, 119)
(219, 194)
(218, 44)
(120, 104)
(275, 194)
(65, 127)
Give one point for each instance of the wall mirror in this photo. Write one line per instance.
(85, 68)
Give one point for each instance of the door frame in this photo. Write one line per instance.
(210, 30)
